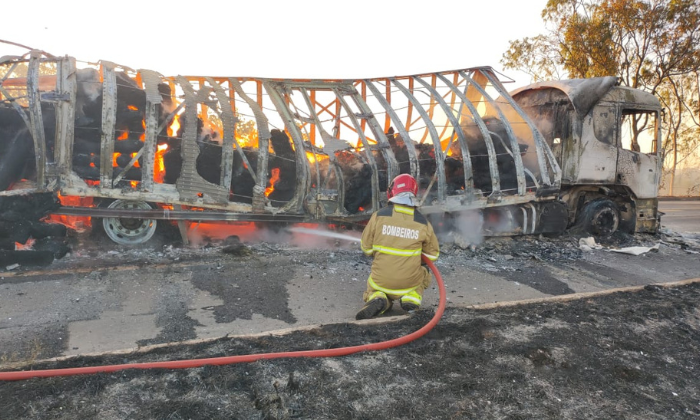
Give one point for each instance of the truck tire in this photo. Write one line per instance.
(598, 217)
(129, 231)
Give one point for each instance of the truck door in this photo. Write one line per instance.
(637, 159)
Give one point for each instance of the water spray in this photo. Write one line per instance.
(324, 233)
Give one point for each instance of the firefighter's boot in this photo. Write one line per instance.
(374, 307)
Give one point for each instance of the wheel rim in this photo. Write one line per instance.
(129, 231)
(605, 221)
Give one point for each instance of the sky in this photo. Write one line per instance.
(281, 39)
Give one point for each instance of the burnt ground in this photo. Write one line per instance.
(626, 355)
(622, 355)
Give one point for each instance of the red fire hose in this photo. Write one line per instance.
(226, 360)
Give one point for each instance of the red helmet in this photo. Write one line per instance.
(402, 183)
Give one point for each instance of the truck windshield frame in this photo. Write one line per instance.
(639, 130)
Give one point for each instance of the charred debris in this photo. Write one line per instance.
(24, 238)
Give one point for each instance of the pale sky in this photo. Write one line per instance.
(284, 39)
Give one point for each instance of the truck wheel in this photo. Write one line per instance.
(599, 217)
(128, 231)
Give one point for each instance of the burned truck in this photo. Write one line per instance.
(133, 148)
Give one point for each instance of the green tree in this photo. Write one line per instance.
(652, 45)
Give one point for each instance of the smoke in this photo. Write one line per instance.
(469, 227)
(464, 229)
(89, 89)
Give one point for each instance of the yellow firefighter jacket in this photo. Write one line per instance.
(397, 236)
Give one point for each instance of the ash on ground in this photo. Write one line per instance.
(628, 355)
(501, 252)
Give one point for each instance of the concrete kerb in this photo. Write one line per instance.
(684, 198)
(583, 295)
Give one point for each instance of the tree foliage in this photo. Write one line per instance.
(652, 45)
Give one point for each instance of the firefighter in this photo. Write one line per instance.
(396, 236)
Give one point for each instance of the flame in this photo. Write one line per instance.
(78, 223)
(174, 126)
(249, 140)
(273, 179)
(199, 233)
(136, 164)
(134, 184)
(219, 231)
(124, 135)
(114, 159)
(133, 108)
(317, 157)
(159, 167)
(142, 137)
(27, 246)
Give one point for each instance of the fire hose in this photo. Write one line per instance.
(226, 360)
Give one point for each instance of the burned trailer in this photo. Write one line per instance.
(133, 147)
(607, 140)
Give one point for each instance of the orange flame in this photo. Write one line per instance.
(313, 158)
(174, 126)
(273, 179)
(142, 137)
(133, 108)
(199, 233)
(78, 223)
(27, 246)
(159, 167)
(250, 140)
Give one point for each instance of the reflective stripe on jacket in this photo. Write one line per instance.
(397, 235)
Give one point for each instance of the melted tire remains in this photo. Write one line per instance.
(599, 217)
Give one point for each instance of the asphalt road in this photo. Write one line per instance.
(681, 215)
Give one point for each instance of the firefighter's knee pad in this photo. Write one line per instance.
(411, 301)
(375, 295)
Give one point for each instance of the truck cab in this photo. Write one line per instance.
(607, 141)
